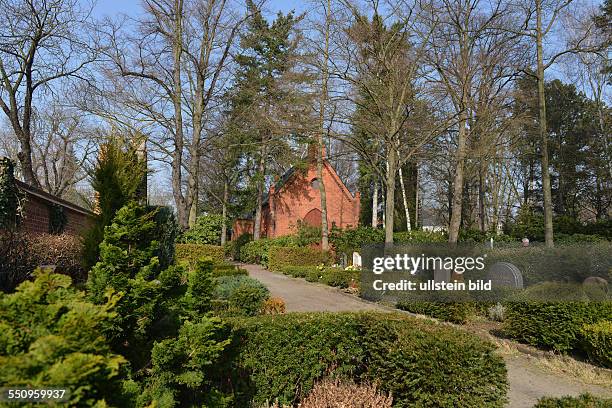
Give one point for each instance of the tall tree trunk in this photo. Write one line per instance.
(260, 187)
(404, 199)
(457, 201)
(390, 195)
(481, 196)
(224, 212)
(375, 204)
(177, 156)
(416, 196)
(25, 160)
(321, 147)
(548, 221)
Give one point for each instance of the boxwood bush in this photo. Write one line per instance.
(280, 257)
(420, 363)
(583, 401)
(227, 269)
(191, 253)
(454, 307)
(597, 342)
(552, 315)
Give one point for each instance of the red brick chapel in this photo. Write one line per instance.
(295, 197)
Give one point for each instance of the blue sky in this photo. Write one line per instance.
(132, 7)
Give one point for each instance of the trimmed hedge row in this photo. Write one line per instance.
(555, 321)
(227, 269)
(583, 401)
(420, 363)
(191, 253)
(280, 257)
(330, 276)
(454, 307)
(597, 342)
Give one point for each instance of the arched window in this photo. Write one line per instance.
(314, 183)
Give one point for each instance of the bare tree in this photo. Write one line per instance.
(169, 76)
(41, 42)
(464, 33)
(62, 146)
(381, 68)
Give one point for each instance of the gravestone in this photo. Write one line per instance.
(356, 259)
(505, 274)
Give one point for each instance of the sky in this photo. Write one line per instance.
(132, 7)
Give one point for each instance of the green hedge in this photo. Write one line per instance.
(597, 342)
(420, 363)
(328, 275)
(280, 257)
(583, 401)
(454, 307)
(191, 253)
(554, 321)
(227, 269)
(257, 251)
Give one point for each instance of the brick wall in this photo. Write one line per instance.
(37, 212)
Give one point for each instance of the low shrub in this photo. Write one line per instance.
(64, 251)
(273, 306)
(247, 300)
(419, 236)
(191, 253)
(497, 312)
(280, 257)
(346, 394)
(227, 285)
(552, 315)
(313, 275)
(21, 253)
(257, 251)
(454, 307)
(419, 363)
(583, 401)
(50, 334)
(228, 269)
(339, 277)
(597, 342)
(297, 271)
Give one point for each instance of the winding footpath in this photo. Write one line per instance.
(528, 382)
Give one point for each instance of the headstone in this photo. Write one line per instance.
(505, 274)
(356, 259)
(597, 281)
(442, 275)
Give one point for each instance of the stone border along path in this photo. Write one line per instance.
(528, 382)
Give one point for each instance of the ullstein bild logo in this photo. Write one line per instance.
(410, 265)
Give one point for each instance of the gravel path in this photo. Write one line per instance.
(528, 382)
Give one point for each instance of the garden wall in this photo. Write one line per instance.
(37, 212)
